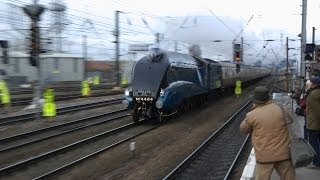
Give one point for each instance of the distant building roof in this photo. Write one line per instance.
(97, 65)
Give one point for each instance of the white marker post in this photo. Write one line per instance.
(132, 148)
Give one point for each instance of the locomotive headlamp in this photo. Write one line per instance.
(126, 92)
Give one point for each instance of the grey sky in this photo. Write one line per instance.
(181, 21)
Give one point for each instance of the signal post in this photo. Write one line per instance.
(34, 11)
(237, 58)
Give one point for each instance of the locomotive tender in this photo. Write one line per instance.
(164, 83)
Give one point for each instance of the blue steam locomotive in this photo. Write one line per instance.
(164, 83)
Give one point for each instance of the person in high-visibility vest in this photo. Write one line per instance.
(49, 110)
(4, 91)
(85, 89)
(96, 80)
(49, 107)
(4, 95)
(238, 89)
(124, 81)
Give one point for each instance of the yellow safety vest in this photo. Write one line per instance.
(49, 109)
(124, 81)
(4, 92)
(96, 80)
(238, 90)
(238, 83)
(85, 88)
(49, 95)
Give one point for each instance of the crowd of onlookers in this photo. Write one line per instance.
(310, 101)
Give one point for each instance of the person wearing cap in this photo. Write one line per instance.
(269, 135)
(313, 118)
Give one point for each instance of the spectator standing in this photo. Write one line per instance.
(302, 104)
(270, 137)
(313, 118)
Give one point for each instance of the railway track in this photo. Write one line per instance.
(60, 111)
(214, 159)
(28, 100)
(16, 141)
(51, 162)
(61, 88)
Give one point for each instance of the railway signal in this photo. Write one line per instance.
(237, 53)
(237, 68)
(309, 52)
(34, 12)
(34, 49)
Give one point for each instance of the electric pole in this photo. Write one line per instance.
(241, 54)
(84, 47)
(313, 42)
(116, 34)
(287, 71)
(303, 65)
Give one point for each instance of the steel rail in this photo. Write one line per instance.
(60, 111)
(33, 160)
(61, 133)
(90, 156)
(196, 152)
(52, 128)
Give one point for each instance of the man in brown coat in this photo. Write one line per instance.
(269, 135)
